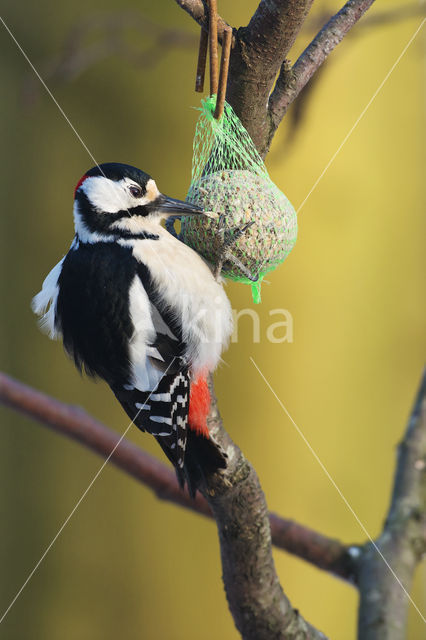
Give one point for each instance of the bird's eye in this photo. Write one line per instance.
(136, 191)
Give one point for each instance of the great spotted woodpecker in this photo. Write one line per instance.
(141, 310)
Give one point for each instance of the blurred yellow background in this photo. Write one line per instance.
(128, 565)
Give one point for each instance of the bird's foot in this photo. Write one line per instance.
(229, 238)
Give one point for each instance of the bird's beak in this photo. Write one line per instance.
(171, 207)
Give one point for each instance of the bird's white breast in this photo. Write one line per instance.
(188, 287)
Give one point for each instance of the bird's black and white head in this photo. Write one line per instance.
(115, 200)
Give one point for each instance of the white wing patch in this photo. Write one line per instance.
(44, 303)
(145, 377)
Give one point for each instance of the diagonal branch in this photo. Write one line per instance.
(292, 80)
(383, 602)
(325, 553)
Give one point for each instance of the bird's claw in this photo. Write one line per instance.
(229, 238)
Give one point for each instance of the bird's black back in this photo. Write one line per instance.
(93, 308)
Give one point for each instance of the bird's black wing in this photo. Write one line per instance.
(162, 410)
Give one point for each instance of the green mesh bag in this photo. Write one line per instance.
(230, 179)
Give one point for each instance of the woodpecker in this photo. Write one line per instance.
(139, 309)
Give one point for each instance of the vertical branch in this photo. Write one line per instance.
(213, 46)
(201, 63)
(223, 77)
(260, 608)
(383, 602)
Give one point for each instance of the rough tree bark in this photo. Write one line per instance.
(256, 599)
(383, 602)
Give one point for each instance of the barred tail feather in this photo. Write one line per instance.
(175, 413)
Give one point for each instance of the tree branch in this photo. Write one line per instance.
(256, 58)
(274, 26)
(292, 80)
(259, 56)
(198, 11)
(383, 603)
(260, 608)
(257, 53)
(325, 553)
(78, 425)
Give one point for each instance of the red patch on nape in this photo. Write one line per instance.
(79, 183)
(199, 406)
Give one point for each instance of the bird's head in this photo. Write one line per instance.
(120, 200)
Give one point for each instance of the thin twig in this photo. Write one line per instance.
(223, 77)
(201, 63)
(213, 46)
